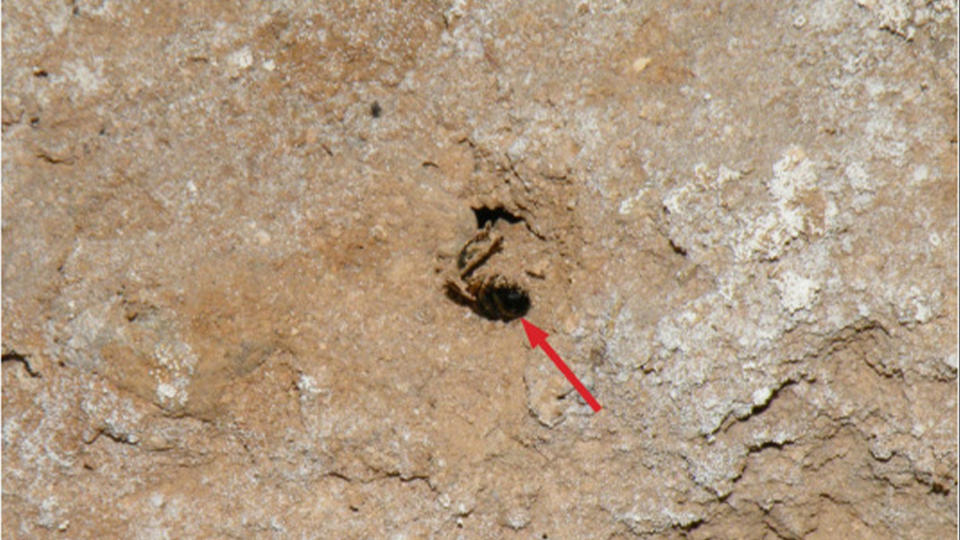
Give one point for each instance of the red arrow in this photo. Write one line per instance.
(538, 338)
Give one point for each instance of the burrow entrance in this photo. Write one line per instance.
(485, 214)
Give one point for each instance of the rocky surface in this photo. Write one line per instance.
(226, 233)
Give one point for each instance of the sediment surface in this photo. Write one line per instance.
(228, 233)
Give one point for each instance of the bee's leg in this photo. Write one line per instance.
(482, 257)
(466, 252)
(458, 294)
(478, 236)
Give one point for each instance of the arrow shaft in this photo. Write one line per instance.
(562, 366)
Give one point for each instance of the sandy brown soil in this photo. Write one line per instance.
(226, 233)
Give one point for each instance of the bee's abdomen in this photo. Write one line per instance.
(502, 300)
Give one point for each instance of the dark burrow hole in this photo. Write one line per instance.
(485, 215)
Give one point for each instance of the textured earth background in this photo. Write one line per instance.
(226, 231)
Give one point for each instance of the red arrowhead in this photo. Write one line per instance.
(538, 338)
(534, 334)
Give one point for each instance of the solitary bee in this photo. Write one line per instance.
(492, 296)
